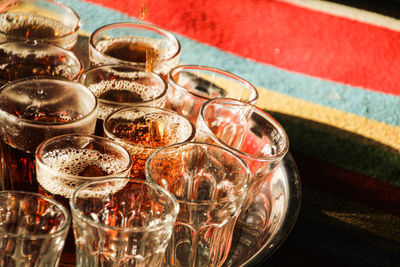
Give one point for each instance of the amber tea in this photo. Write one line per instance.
(20, 167)
(119, 86)
(143, 130)
(127, 49)
(67, 161)
(33, 110)
(59, 185)
(31, 28)
(44, 21)
(141, 133)
(132, 51)
(20, 60)
(138, 44)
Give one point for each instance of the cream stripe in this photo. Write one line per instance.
(377, 131)
(349, 12)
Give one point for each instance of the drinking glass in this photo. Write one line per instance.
(44, 21)
(259, 140)
(138, 44)
(33, 110)
(119, 86)
(122, 222)
(210, 184)
(24, 59)
(192, 85)
(32, 229)
(142, 130)
(66, 161)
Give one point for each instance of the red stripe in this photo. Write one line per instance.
(348, 184)
(284, 35)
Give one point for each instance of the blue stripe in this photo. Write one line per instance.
(373, 105)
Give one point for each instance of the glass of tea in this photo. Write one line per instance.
(142, 130)
(122, 222)
(45, 21)
(33, 110)
(26, 59)
(119, 86)
(64, 162)
(192, 85)
(137, 44)
(210, 184)
(257, 138)
(32, 229)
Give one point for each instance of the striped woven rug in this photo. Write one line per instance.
(330, 74)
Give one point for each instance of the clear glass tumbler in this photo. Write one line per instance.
(32, 229)
(33, 110)
(210, 184)
(119, 86)
(192, 85)
(138, 44)
(256, 137)
(142, 130)
(44, 21)
(122, 222)
(24, 59)
(64, 162)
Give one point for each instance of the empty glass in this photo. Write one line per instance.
(192, 85)
(32, 229)
(122, 222)
(210, 184)
(247, 131)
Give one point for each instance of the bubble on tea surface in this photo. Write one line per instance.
(143, 92)
(18, 23)
(74, 162)
(124, 92)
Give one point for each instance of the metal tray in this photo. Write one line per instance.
(270, 217)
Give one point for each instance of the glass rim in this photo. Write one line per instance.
(58, 232)
(147, 26)
(46, 40)
(227, 74)
(52, 80)
(185, 201)
(160, 225)
(60, 49)
(126, 109)
(153, 74)
(268, 118)
(38, 156)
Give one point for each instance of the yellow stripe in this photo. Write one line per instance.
(349, 12)
(376, 131)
